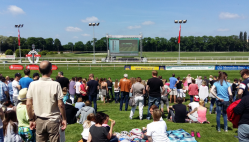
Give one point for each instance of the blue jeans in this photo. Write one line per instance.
(153, 100)
(213, 100)
(243, 132)
(234, 95)
(94, 99)
(124, 99)
(116, 96)
(191, 98)
(222, 106)
(11, 98)
(1, 135)
(110, 89)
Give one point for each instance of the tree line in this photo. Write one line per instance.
(188, 43)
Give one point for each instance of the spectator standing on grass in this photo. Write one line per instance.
(192, 90)
(83, 90)
(198, 82)
(116, 91)
(104, 90)
(45, 98)
(26, 80)
(172, 86)
(213, 98)
(92, 88)
(179, 89)
(235, 87)
(1, 123)
(64, 82)
(203, 91)
(164, 97)
(124, 85)
(36, 76)
(85, 111)
(16, 87)
(10, 89)
(4, 93)
(109, 84)
(72, 90)
(154, 86)
(189, 79)
(138, 91)
(207, 81)
(224, 94)
(243, 87)
(77, 88)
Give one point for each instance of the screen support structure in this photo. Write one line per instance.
(140, 37)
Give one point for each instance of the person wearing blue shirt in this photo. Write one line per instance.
(10, 90)
(224, 94)
(26, 80)
(172, 86)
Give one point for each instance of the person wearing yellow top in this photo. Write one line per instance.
(23, 119)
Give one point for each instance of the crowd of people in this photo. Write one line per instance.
(24, 117)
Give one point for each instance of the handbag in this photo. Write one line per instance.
(132, 102)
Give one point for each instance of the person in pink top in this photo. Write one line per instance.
(192, 90)
(201, 111)
(83, 91)
(189, 79)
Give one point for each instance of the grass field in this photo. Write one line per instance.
(161, 54)
(208, 131)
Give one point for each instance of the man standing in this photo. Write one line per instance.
(72, 90)
(47, 104)
(16, 87)
(3, 91)
(243, 87)
(207, 81)
(172, 86)
(92, 87)
(25, 81)
(154, 86)
(64, 82)
(125, 86)
(77, 88)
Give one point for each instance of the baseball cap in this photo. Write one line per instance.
(196, 98)
(36, 74)
(125, 75)
(17, 74)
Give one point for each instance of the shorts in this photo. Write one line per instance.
(173, 92)
(180, 93)
(164, 100)
(103, 92)
(26, 134)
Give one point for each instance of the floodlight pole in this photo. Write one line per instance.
(93, 46)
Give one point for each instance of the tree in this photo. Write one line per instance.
(245, 40)
(79, 46)
(57, 44)
(49, 44)
(9, 52)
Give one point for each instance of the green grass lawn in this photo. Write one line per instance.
(160, 54)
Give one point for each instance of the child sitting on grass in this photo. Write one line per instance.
(86, 126)
(105, 124)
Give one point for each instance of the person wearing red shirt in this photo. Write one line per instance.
(192, 90)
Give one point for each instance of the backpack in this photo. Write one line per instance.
(231, 116)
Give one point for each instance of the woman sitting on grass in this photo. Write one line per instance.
(97, 133)
(86, 126)
(201, 111)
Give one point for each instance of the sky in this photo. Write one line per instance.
(68, 20)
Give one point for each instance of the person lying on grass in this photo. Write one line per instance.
(201, 113)
(97, 133)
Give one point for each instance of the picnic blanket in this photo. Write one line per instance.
(180, 136)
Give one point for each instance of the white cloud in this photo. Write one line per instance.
(85, 34)
(148, 23)
(15, 10)
(223, 30)
(133, 27)
(73, 29)
(75, 37)
(227, 15)
(90, 19)
(57, 35)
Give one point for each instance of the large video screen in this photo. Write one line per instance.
(123, 46)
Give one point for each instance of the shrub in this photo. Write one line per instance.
(55, 52)
(61, 52)
(50, 53)
(9, 52)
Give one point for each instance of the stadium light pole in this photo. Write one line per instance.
(180, 22)
(93, 24)
(19, 26)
